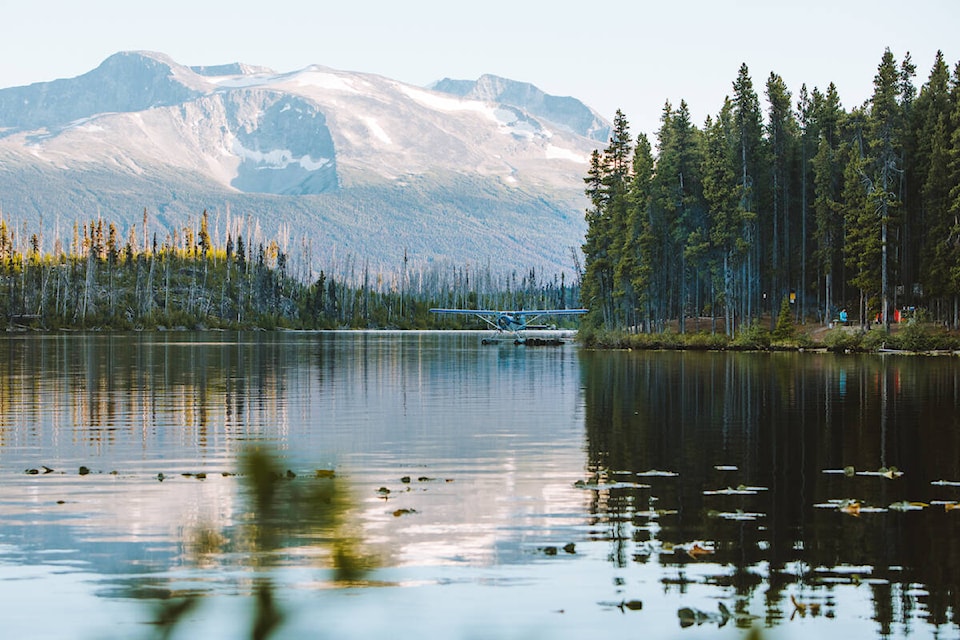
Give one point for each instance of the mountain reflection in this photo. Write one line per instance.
(803, 429)
(539, 480)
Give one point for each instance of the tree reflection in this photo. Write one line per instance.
(779, 421)
(101, 389)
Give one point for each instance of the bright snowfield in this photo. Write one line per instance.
(396, 167)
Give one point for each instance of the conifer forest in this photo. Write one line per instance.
(787, 202)
(190, 280)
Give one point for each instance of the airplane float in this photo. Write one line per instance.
(514, 323)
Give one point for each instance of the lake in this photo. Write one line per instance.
(489, 491)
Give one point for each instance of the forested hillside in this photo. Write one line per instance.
(187, 280)
(789, 197)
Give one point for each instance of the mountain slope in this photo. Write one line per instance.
(339, 163)
(567, 112)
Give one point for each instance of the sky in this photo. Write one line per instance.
(631, 55)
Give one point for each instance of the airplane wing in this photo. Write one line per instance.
(549, 312)
(469, 312)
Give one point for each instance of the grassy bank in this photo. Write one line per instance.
(910, 337)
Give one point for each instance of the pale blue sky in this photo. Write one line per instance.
(629, 54)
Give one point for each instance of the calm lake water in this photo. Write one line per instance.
(494, 491)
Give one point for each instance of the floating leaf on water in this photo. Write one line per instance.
(729, 491)
(848, 471)
(696, 551)
(908, 506)
(200, 476)
(833, 503)
(47, 469)
(655, 513)
(803, 607)
(405, 479)
(570, 548)
(549, 551)
(383, 491)
(632, 605)
(689, 616)
(950, 506)
(744, 516)
(32, 472)
(325, 473)
(84, 471)
(425, 479)
(403, 512)
(883, 472)
(851, 507)
(160, 477)
(606, 486)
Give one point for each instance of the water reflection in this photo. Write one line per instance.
(99, 391)
(565, 490)
(779, 424)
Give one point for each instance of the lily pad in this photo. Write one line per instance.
(891, 473)
(904, 505)
(632, 605)
(740, 490)
(738, 515)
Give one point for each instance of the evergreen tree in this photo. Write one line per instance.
(722, 197)
(677, 212)
(635, 268)
(862, 224)
(935, 130)
(951, 243)
(748, 131)
(884, 169)
(607, 188)
(827, 170)
(597, 286)
(204, 238)
(781, 134)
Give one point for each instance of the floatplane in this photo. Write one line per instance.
(514, 325)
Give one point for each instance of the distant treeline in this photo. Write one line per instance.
(825, 207)
(189, 281)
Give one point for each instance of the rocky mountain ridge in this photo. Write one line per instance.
(335, 162)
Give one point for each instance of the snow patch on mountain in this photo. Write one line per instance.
(354, 160)
(321, 78)
(441, 102)
(559, 153)
(565, 112)
(377, 130)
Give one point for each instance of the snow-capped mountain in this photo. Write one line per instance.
(565, 112)
(340, 162)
